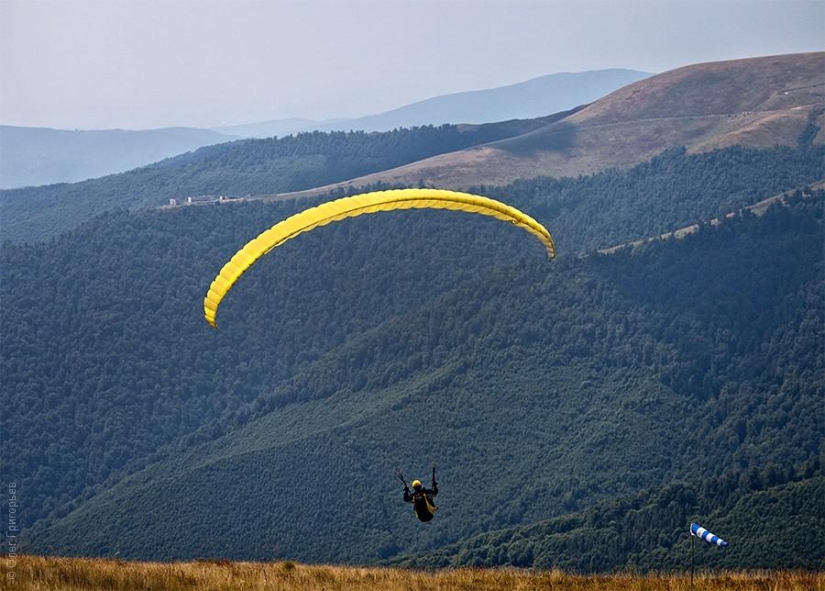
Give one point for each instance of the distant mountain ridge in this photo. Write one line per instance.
(31, 156)
(271, 128)
(532, 99)
(37, 156)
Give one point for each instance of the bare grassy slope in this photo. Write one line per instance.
(27, 573)
(758, 103)
(738, 86)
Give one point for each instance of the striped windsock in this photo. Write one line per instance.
(700, 532)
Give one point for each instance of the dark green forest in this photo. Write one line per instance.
(125, 332)
(771, 518)
(671, 191)
(241, 168)
(423, 337)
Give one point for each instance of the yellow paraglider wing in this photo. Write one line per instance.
(354, 206)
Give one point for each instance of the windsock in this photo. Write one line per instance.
(700, 532)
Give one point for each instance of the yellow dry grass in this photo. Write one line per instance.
(35, 573)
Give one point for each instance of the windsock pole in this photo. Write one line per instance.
(692, 556)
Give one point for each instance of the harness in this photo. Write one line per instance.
(423, 506)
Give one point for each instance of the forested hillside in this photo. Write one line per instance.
(240, 168)
(81, 340)
(413, 338)
(671, 191)
(771, 518)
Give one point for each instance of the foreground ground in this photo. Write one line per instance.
(28, 573)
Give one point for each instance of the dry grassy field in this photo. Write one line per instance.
(29, 573)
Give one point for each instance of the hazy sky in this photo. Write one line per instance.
(155, 63)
